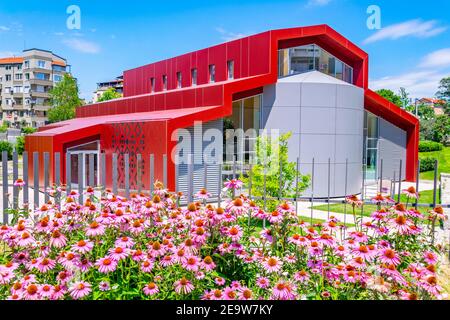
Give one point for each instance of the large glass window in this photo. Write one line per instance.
(371, 138)
(312, 57)
(246, 118)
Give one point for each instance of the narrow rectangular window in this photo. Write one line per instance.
(194, 76)
(212, 73)
(152, 85)
(230, 69)
(164, 82)
(178, 79)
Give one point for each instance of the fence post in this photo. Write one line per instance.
(114, 173)
(68, 173)
(80, 178)
(91, 171)
(46, 175)
(417, 184)
(152, 173)
(265, 192)
(5, 185)
(190, 178)
(363, 192)
(399, 181)
(57, 161)
(329, 185)
(296, 185)
(234, 175)
(15, 177)
(36, 178)
(393, 187)
(103, 172)
(434, 199)
(280, 182)
(127, 175)
(345, 201)
(165, 171)
(139, 172)
(219, 186)
(381, 175)
(312, 189)
(25, 178)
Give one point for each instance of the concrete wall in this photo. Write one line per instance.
(392, 148)
(326, 117)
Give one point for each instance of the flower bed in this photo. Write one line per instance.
(147, 247)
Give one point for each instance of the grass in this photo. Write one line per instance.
(443, 158)
(425, 197)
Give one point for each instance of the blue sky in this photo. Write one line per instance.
(412, 49)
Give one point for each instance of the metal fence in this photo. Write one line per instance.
(36, 194)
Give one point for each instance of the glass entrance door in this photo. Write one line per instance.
(80, 159)
(371, 138)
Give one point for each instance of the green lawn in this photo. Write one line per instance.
(443, 158)
(425, 197)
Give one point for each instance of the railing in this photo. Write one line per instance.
(36, 194)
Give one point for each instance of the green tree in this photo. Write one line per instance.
(441, 129)
(28, 130)
(64, 99)
(391, 96)
(20, 144)
(6, 146)
(269, 156)
(444, 89)
(404, 96)
(423, 111)
(109, 94)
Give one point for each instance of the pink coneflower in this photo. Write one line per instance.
(19, 183)
(95, 229)
(155, 249)
(104, 286)
(202, 194)
(45, 264)
(151, 289)
(378, 199)
(84, 265)
(353, 200)
(118, 253)
(191, 263)
(199, 275)
(364, 252)
(45, 291)
(124, 242)
(235, 233)
(25, 240)
(6, 276)
(325, 294)
(199, 235)
(137, 255)
(229, 294)
(301, 276)
(410, 192)
(299, 240)
(83, 246)
(183, 286)
(147, 266)
(263, 282)
(167, 261)
(32, 292)
(272, 264)
(275, 216)
(68, 260)
(79, 290)
(208, 263)
(430, 257)
(106, 265)
(216, 294)
(438, 212)
(379, 284)
(286, 208)
(359, 236)
(237, 206)
(233, 184)
(389, 256)
(430, 284)
(282, 291)
(136, 227)
(401, 224)
(219, 281)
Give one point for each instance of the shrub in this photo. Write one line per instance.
(28, 130)
(6, 146)
(428, 146)
(427, 164)
(20, 144)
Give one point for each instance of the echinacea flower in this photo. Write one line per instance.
(202, 194)
(233, 184)
(80, 290)
(104, 286)
(430, 257)
(83, 246)
(19, 183)
(389, 256)
(272, 264)
(263, 282)
(410, 192)
(106, 265)
(151, 289)
(235, 232)
(183, 286)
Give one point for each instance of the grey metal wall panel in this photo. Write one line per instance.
(392, 148)
(327, 123)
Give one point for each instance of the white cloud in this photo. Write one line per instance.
(418, 83)
(412, 28)
(317, 2)
(228, 35)
(82, 45)
(436, 59)
(4, 28)
(59, 34)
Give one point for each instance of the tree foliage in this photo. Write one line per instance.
(109, 94)
(64, 99)
(391, 96)
(424, 112)
(270, 154)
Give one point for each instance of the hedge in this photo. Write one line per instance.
(428, 146)
(427, 164)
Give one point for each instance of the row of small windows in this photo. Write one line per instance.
(211, 79)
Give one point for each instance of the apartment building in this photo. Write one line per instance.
(117, 84)
(25, 82)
